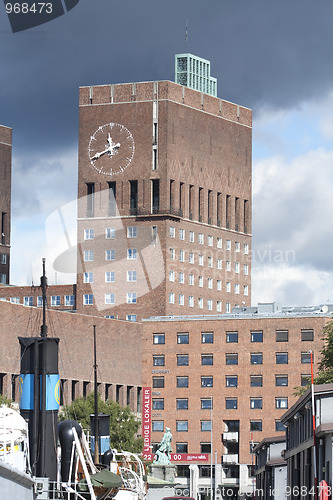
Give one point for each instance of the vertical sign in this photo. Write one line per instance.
(146, 419)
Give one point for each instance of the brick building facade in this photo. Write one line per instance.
(5, 201)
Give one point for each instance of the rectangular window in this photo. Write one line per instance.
(181, 278)
(228, 245)
(206, 381)
(246, 269)
(182, 234)
(256, 380)
(172, 232)
(182, 426)
(207, 338)
(3, 258)
(158, 338)
(130, 317)
(281, 335)
(255, 425)
(55, 300)
(131, 276)
(246, 290)
(236, 288)
(181, 256)
(210, 241)
(191, 301)
(279, 426)
(219, 242)
(232, 337)
(132, 232)
(69, 300)
(182, 338)
(157, 426)
(210, 283)
(171, 276)
(172, 253)
(201, 260)
(256, 358)
(227, 307)
(231, 381)
(200, 239)
(231, 358)
(110, 277)
(155, 196)
(90, 198)
(191, 258)
(200, 303)
(88, 278)
(191, 279)
(109, 298)
(205, 447)
(153, 235)
(207, 359)
(228, 287)
(231, 403)
(88, 234)
(182, 382)
(15, 300)
(206, 403)
(110, 254)
(110, 233)
(281, 380)
(181, 299)
(158, 404)
(219, 263)
(88, 255)
(281, 403)
(182, 359)
(228, 265)
(200, 281)
(131, 254)
(131, 297)
(87, 299)
(181, 447)
(257, 336)
(209, 304)
(191, 236)
(281, 358)
(237, 267)
(305, 379)
(171, 298)
(112, 199)
(219, 285)
(246, 248)
(256, 403)
(219, 306)
(237, 246)
(210, 262)
(133, 197)
(28, 301)
(158, 360)
(305, 357)
(182, 404)
(206, 425)
(158, 382)
(307, 335)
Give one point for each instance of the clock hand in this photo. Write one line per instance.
(98, 155)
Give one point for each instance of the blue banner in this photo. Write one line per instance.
(52, 392)
(26, 391)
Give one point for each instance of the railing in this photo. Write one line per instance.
(230, 436)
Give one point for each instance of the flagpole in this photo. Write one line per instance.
(314, 431)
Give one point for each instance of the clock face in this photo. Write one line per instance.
(111, 148)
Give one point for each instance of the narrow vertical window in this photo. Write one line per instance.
(112, 198)
(201, 196)
(155, 196)
(227, 211)
(190, 201)
(133, 197)
(219, 209)
(90, 198)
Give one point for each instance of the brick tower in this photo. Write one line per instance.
(5, 201)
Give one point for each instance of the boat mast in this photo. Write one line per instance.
(96, 454)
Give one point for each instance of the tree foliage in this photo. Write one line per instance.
(124, 425)
(4, 400)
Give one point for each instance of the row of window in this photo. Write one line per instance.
(210, 240)
(110, 233)
(200, 302)
(129, 317)
(210, 261)
(206, 426)
(110, 277)
(255, 381)
(69, 300)
(230, 403)
(232, 337)
(109, 298)
(200, 282)
(110, 254)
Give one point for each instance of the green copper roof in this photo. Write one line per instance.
(194, 72)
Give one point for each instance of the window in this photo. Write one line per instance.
(219, 242)
(182, 338)
(210, 283)
(228, 245)
(206, 381)
(158, 382)
(182, 359)
(132, 232)
(157, 425)
(237, 246)
(255, 425)
(206, 403)
(55, 300)
(191, 258)
(281, 380)
(182, 382)
(109, 277)
(246, 269)
(232, 337)
(131, 297)
(237, 267)
(237, 288)
(158, 404)
(87, 299)
(69, 300)
(171, 275)
(172, 253)
(109, 298)
(191, 279)
(281, 335)
(191, 301)
(181, 256)
(246, 290)
(172, 232)
(131, 276)
(39, 301)
(110, 254)
(205, 447)
(200, 260)
(191, 236)
(210, 241)
(210, 261)
(231, 358)
(219, 306)
(227, 307)
(15, 300)
(281, 403)
(131, 317)
(110, 233)
(228, 286)
(257, 336)
(200, 239)
(181, 278)
(131, 254)
(88, 234)
(246, 248)
(181, 447)
(158, 338)
(158, 360)
(231, 403)
(256, 380)
(207, 338)
(228, 265)
(209, 304)
(219, 285)
(88, 278)
(207, 359)
(256, 358)
(231, 381)
(28, 301)
(182, 404)
(171, 298)
(3, 258)
(200, 281)
(182, 234)
(281, 358)
(305, 357)
(279, 426)
(256, 403)
(88, 255)
(307, 335)
(110, 316)
(182, 426)
(200, 303)
(305, 379)
(181, 299)
(219, 263)
(206, 425)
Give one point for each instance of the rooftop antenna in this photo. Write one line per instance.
(186, 34)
